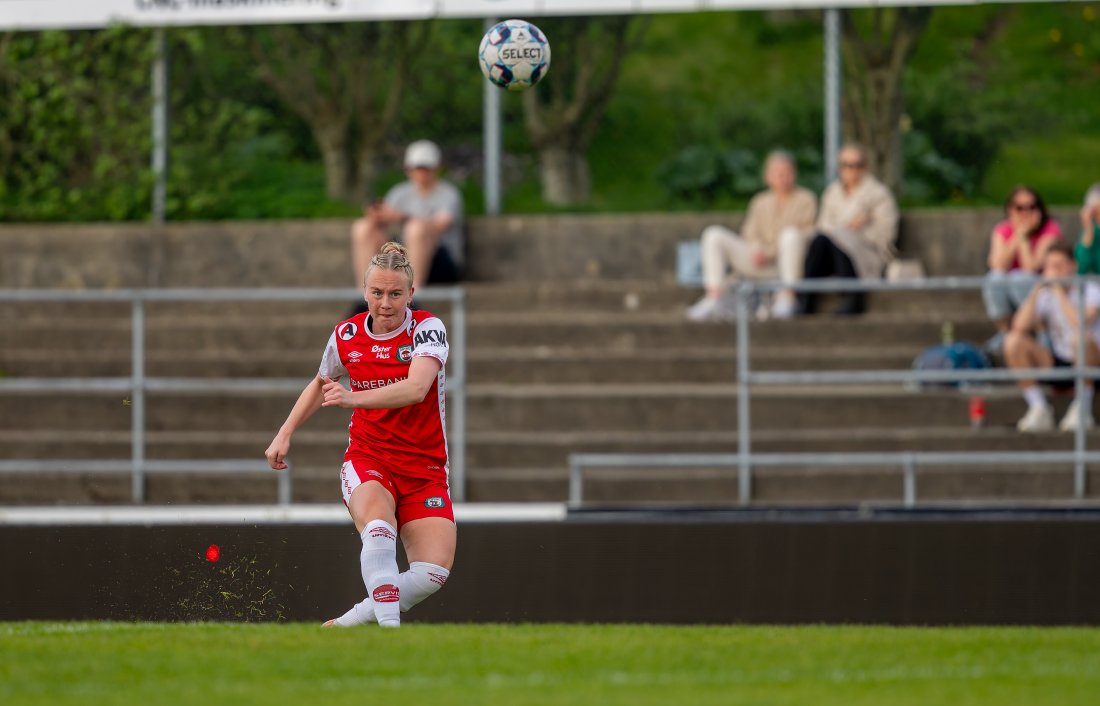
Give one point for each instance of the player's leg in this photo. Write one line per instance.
(373, 509)
(367, 238)
(430, 547)
(1022, 351)
(427, 528)
(422, 239)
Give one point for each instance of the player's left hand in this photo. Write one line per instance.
(334, 394)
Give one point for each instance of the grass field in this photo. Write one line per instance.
(141, 663)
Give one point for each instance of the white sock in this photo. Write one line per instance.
(379, 563)
(1035, 397)
(420, 581)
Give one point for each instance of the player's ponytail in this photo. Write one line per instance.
(392, 256)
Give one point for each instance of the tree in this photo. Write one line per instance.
(563, 112)
(346, 82)
(74, 127)
(877, 46)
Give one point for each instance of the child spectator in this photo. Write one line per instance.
(1052, 307)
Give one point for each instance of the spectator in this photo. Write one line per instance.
(429, 211)
(1018, 246)
(770, 244)
(1088, 247)
(856, 230)
(1052, 307)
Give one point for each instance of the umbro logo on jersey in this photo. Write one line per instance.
(354, 356)
(437, 337)
(347, 331)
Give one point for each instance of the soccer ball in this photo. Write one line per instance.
(514, 54)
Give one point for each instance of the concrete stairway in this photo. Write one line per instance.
(553, 369)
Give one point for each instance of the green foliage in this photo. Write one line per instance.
(995, 95)
(74, 132)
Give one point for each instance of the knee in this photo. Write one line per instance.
(1015, 342)
(360, 231)
(714, 234)
(790, 239)
(416, 231)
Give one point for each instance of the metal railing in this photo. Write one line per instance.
(138, 383)
(744, 460)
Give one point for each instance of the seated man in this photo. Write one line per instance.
(771, 242)
(429, 211)
(1052, 307)
(856, 230)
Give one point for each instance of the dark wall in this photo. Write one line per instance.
(881, 571)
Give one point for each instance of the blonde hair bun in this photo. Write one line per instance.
(394, 247)
(392, 256)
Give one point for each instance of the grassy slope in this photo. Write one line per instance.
(105, 663)
(1046, 56)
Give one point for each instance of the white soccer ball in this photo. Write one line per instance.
(514, 54)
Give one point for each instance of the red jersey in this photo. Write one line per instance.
(413, 438)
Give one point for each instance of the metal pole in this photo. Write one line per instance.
(137, 400)
(160, 125)
(491, 131)
(458, 414)
(744, 450)
(832, 91)
(285, 493)
(1080, 471)
(575, 480)
(909, 471)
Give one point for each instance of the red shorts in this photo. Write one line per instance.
(414, 497)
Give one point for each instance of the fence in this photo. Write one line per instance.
(138, 383)
(745, 460)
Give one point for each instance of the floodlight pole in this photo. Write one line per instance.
(160, 125)
(491, 130)
(832, 91)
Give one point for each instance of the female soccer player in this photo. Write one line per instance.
(394, 477)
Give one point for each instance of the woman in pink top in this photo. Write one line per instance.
(1017, 247)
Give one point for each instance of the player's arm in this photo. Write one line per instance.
(422, 373)
(307, 405)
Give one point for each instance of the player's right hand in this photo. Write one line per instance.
(276, 453)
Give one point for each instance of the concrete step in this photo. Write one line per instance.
(593, 295)
(806, 486)
(553, 407)
(627, 331)
(320, 451)
(531, 364)
(686, 407)
(486, 451)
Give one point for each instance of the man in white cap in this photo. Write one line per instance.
(429, 212)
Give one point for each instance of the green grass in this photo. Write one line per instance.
(113, 663)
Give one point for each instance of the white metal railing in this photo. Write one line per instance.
(744, 459)
(138, 383)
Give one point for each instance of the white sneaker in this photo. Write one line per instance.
(784, 308)
(1037, 419)
(1069, 422)
(706, 309)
